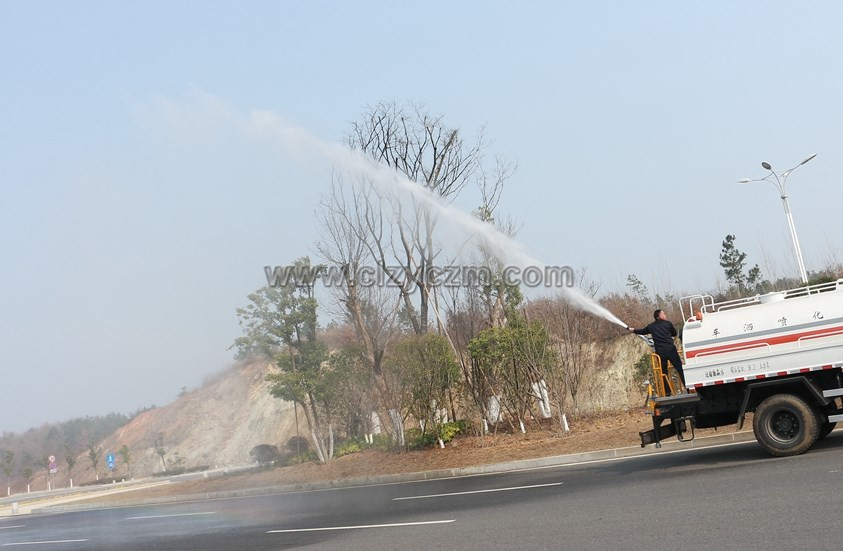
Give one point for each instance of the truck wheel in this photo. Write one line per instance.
(785, 425)
(825, 430)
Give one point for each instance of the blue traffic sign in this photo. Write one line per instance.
(109, 459)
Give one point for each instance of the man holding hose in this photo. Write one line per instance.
(663, 333)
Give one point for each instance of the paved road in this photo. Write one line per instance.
(728, 497)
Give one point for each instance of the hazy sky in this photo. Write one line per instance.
(139, 206)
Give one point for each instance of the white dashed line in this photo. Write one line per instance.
(398, 524)
(41, 542)
(173, 515)
(479, 491)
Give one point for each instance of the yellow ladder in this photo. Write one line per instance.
(661, 377)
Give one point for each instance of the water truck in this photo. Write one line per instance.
(778, 356)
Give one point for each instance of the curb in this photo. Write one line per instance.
(511, 466)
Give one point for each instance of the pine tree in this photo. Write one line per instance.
(733, 262)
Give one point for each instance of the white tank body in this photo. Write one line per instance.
(771, 335)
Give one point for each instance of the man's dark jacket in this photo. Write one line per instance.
(662, 332)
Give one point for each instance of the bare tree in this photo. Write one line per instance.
(349, 218)
(575, 333)
(484, 302)
(367, 227)
(433, 155)
(353, 225)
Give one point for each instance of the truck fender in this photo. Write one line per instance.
(815, 391)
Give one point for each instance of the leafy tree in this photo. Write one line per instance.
(70, 458)
(94, 455)
(638, 288)
(27, 475)
(501, 297)
(353, 396)
(160, 450)
(7, 464)
(513, 361)
(488, 352)
(733, 263)
(280, 323)
(423, 368)
(126, 456)
(533, 351)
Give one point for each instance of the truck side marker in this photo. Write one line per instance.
(763, 376)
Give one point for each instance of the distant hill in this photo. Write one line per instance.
(215, 425)
(31, 447)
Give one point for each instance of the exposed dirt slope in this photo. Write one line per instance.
(215, 425)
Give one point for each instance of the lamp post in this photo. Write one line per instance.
(780, 181)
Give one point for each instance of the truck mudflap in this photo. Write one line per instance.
(681, 427)
(656, 435)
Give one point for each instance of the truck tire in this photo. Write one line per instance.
(784, 425)
(825, 430)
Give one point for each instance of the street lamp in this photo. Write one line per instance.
(780, 181)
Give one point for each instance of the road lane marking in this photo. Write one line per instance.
(41, 542)
(173, 515)
(479, 491)
(15, 526)
(327, 528)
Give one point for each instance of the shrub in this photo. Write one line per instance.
(265, 454)
(297, 444)
(350, 445)
(643, 369)
(305, 457)
(447, 431)
(381, 442)
(417, 440)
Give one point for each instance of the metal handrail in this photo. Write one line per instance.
(810, 337)
(707, 304)
(745, 302)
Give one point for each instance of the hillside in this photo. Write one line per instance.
(215, 425)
